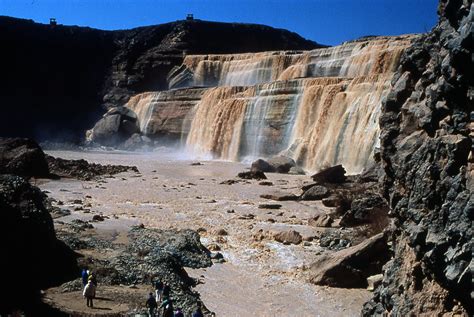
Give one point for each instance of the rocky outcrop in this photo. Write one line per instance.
(147, 256)
(425, 146)
(33, 259)
(83, 170)
(22, 157)
(58, 93)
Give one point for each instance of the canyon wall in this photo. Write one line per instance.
(426, 153)
(320, 107)
(58, 80)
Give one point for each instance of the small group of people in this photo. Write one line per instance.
(163, 299)
(89, 281)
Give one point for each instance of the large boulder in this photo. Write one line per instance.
(334, 174)
(350, 268)
(276, 164)
(22, 157)
(34, 258)
(316, 192)
(117, 125)
(288, 237)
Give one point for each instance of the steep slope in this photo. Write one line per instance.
(428, 181)
(56, 78)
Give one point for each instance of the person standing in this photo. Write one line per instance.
(167, 306)
(89, 293)
(166, 291)
(198, 311)
(178, 313)
(151, 304)
(159, 291)
(85, 277)
(92, 278)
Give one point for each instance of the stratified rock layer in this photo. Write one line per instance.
(428, 179)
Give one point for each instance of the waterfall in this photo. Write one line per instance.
(319, 107)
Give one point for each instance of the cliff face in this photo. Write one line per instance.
(56, 78)
(425, 146)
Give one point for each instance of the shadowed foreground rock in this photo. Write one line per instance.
(425, 146)
(32, 257)
(22, 157)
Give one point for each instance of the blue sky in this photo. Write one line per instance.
(325, 21)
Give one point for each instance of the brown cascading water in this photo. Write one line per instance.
(165, 112)
(320, 107)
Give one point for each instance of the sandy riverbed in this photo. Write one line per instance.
(260, 278)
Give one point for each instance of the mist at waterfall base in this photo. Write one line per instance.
(318, 107)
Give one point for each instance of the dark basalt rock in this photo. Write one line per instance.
(22, 157)
(316, 192)
(252, 175)
(425, 146)
(334, 174)
(81, 169)
(367, 209)
(33, 259)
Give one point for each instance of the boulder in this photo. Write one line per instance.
(335, 174)
(374, 281)
(125, 112)
(296, 170)
(279, 196)
(350, 268)
(331, 201)
(288, 237)
(136, 142)
(269, 206)
(315, 193)
(369, 209)
(22, 157)
(115, 127)
(282, 164)
(262, 166)
(276, 164)
(258, 175)
(320, 221)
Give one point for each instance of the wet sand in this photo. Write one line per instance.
(259, 278)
